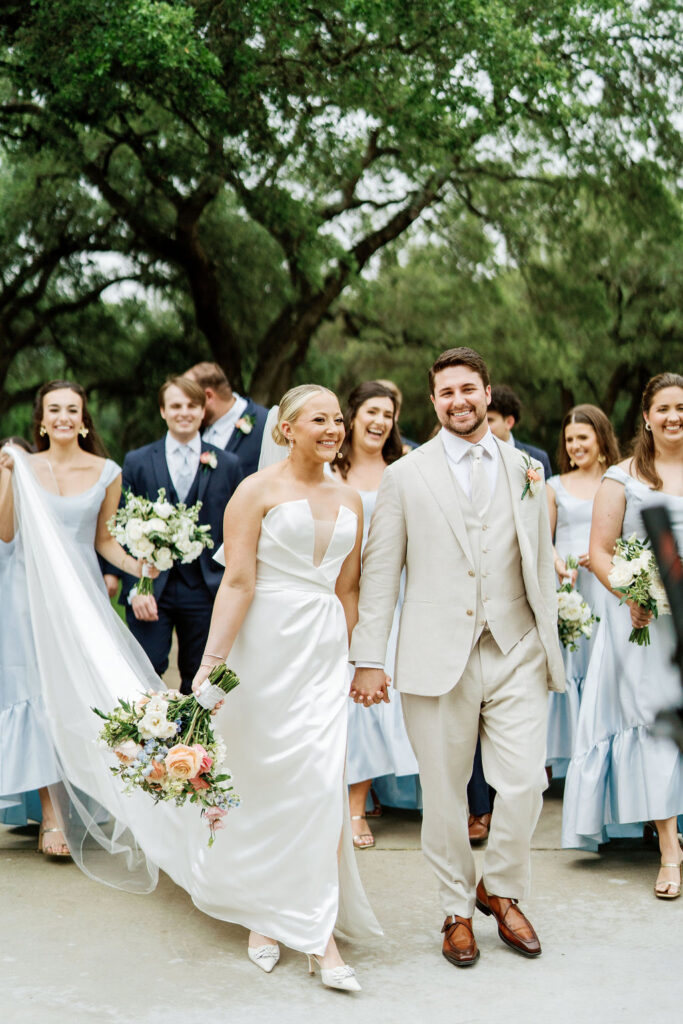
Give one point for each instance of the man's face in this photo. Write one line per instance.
(500, 425)
(183, 416)
(461, 401)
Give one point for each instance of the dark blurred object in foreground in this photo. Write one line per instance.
(658, 525)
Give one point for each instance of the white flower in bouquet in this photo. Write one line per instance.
(142, 548)
(134, 530)
(164, 509)
(163, 559)
(156, 705)
(194, 550)
(622, 573)
(571, 606)
(127, 751)
(155, 725)
(155, 525)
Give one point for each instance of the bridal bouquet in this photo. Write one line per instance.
(634, 575)
(165, 746)
(574, 615)
(159, 532)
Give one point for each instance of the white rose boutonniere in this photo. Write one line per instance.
(245, 424)
(208, 460)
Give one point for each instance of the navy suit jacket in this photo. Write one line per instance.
(538, 454)
(247, 447)
(145, 470)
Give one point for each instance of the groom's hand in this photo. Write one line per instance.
(369, 686)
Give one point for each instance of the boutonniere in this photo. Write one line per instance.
(532, 478)
(208, 460)
(245, 424)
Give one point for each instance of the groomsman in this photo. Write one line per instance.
(231, 422)
(477, 647)
(504, 414)
(190, 470)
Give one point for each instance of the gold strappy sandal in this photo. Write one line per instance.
(676, 886)
(358, 840)
(64, 852)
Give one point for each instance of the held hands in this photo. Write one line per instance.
(370, 686)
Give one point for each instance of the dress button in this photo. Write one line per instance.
(470, 612)
(470, 572)
(484, 527)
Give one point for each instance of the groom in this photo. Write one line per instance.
(478, 649)
(190, 470)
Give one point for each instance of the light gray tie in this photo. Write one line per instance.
(185, 473)
(480, 492)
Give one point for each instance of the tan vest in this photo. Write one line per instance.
(502, 604)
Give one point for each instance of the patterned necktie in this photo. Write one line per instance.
(184, 473)
(480, 493)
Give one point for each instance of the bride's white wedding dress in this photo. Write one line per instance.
(275, 868)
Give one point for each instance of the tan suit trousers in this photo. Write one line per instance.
(504, 698)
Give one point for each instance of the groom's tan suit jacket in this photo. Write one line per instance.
(419, 521)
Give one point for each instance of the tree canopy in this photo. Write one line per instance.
(246, 161)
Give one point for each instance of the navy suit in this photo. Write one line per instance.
(185, 593)
(538, 454)
(247, 447)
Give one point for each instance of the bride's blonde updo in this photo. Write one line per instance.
(291, 404)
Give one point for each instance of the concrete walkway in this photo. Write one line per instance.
(73, 951)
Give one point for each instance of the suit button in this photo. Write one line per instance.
(470, 572)
(470, 612)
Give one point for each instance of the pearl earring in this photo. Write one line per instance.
(42, 430)
(83, 431)
(601, 459)
(648, 428)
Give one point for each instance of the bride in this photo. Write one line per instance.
(282, 619)
(284, 865)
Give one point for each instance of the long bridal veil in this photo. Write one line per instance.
(86, 658)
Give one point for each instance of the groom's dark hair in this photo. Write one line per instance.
(459, 357)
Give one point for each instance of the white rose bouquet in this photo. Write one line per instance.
(574, 615)
(634, 575)
(165, 746)
(159, 532)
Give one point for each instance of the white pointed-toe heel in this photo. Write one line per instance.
(264, 957)
(343, 977)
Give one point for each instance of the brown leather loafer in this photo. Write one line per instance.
(459, 944)
(513, 927)
(478, 827)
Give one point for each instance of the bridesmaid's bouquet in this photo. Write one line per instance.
(159, 532)
(165, 745)
(634, 575)
(575, 618)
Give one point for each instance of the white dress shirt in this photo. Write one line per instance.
(460, 463)
(220, 432)
(175, 456)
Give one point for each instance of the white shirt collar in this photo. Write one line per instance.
(173, 445)
(457, 448)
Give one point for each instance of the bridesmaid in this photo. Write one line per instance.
(621, 774)
(587, 448)
(70, 464)
(379, 748)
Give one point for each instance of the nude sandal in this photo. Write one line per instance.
(357, 840)
(676, 886)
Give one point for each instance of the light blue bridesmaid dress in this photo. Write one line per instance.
(378, 745)
(572, 534)
(620, 774)
(27, 761)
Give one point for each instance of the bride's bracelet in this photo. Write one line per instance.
(217, 657)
